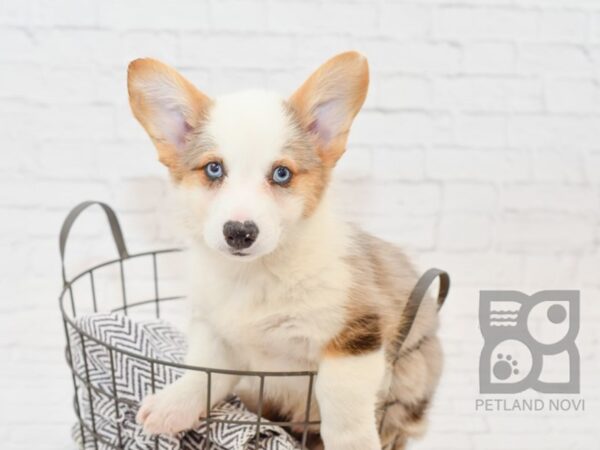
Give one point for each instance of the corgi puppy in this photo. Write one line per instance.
(278, 282)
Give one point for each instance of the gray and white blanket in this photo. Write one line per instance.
(133, 381)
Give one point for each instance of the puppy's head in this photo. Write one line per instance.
(249, 165)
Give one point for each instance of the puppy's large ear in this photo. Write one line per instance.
(330, 99)
(167, 105)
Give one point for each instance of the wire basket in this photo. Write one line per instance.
(306, 430)
(69, 307)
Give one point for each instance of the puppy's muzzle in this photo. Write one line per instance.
(240, 235)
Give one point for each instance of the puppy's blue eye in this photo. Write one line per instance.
(213, 170)
(281, 175)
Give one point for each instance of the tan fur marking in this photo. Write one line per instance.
(348, 71)
(144, 78)
(311, 176)
(206, 158)
(199, 145)
(361, 334)
(286, 162)
(311, 185)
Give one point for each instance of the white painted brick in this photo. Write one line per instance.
(365, 198)
(405, 20)
(573, 95)
(78, 122)
(76, 47)
(559, 166)
(553, 59)
(479, 270)
(142, 44)
(398, 164)
(252, 51)
(489, 93)
(154, 15)
(357, 18)
(412, 233)
(16, 191)
(227, 80)
(129, 158)
(589, 269)
(552, 131)
(595, 27)
(551, 272)
(141, 226)
(481, 131)
(542, 233)
(551, 197)
(412, 57)
(15, 13)
(489, 57)
(293, 16)
(347, 17)
(285, 80)
(470, 197)
(67, 193)
(448, 423)
(12, 224)
(21, 81)
(450, 440)
(405, 128)
(236, 15)
(51, 13)
(403, 92)
(524, 95)
(127, 128)
(79, 85)
(356, 164)
(392, 128)
(69, 159)
(463, 22)
(464, 232)
(521, 441)
(17, 45)
(314, 50)
(564, 26)
(453, 164)
(591, 164)
(469, 93)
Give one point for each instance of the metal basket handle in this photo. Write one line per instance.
(115, 229)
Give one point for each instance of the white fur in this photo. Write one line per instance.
(277, 308)
(250, 129)
(347, 389)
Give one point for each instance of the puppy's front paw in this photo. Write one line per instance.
(176, 408)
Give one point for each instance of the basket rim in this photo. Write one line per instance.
(67, 287)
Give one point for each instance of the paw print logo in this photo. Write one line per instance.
(523, 335)
(505, 366)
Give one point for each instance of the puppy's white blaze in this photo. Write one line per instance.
(347, 388)
(250, 129)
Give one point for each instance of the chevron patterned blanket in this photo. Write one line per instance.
(114, 422)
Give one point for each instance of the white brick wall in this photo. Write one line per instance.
(478, 150)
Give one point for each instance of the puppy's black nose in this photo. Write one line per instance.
(240, 235)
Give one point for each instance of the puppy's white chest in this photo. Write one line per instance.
(274, 327)
(286, 317)
(270, 321)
